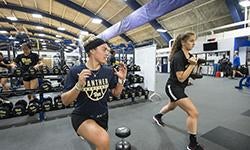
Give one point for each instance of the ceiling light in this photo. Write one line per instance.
(44, 48)
(41, 34)
(72, 44)
(12, 18)
(39, 27)
(37, 16)
(16, 42)
(245, 3)
(61, 28)
(84, 32)
(58, 36)
(161, 30)
(3, 32)
(43, 43)
(41, 40)
(68, 47)
(96, 20)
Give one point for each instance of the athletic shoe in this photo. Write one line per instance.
(158, 121)
(194, 147)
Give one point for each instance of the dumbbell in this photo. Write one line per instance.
(201, 61)
(137, 68)
(18, 71)
(45, 70)
(138, 78)
(65, 69)
(132, 79)
(33, 107)
(196, 73)
(6, 60)
(32, 71)
(46, 85)
(71, 105)
(117, 98)
(139, 91)
(122, 132)
(20, 108)
(56, 70)
(110, 98)
(58, 102)
(5, 109)
(47, 104)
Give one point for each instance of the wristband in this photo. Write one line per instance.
(120, 81)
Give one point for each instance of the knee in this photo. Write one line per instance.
(103, 143)
(194, 114)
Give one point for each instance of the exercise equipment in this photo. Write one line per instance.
(34, 107)
(56, 70)
(47, 104)
(20, 108)
(45, 70)
(18, 71)
(58, 102)
(123, 132)
(5, 109)
(46, 85)
(32, 71)
(65, 69)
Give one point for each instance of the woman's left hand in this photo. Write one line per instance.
(122, 72)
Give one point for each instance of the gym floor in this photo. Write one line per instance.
(224, 122)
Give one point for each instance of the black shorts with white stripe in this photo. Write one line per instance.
(175, 92)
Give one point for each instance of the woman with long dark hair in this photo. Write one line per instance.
(182, 64)
(89, 85)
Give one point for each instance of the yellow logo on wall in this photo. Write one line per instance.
(26, 61)
(96, 89)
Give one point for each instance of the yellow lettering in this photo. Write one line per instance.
(92, 82)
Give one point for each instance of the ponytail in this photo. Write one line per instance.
(177, 46)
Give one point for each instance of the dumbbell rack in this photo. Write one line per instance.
(132, 84)
(131, 94)
(34, 91)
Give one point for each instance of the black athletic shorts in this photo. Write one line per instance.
(101, 120)
(175, 92)
(28, 78)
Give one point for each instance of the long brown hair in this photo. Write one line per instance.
(177, 46)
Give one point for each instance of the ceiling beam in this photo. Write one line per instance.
(85, 11)
(235, 10)
(45, 14)
(38, 24)
(112, 16)
(77, 15)
(103, 5)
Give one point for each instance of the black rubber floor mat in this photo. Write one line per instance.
(247, 113)
(228, 138)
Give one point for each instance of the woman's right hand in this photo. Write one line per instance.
(193, 60)
(85, 73)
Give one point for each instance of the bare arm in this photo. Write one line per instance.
(71, 95)
(122, 73)
(183, 75)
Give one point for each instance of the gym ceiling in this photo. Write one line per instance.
(77, 15)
